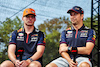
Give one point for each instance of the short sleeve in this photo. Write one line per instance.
(91, 36)
(42, 39)
(13, 37)
(63, 37)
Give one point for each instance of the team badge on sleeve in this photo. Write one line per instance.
(94, 36)
(44, 40)
(10, 38)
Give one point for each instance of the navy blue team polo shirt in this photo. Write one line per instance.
(28, 41)
(78, 38)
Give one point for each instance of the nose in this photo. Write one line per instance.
(71, 16)
(30, 17)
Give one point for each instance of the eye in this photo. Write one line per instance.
(70, 14)
(27, 16)
(75, 13)
(33, 16)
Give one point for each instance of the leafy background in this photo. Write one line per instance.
(52, 29)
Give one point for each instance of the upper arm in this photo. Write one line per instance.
(40, 48)
(12, 42)
(91, 36)
(12, 39)
(11, 48)
(41, 42)
(91, 40)
(89, 46)
(63, 45)
(42, 39)
(63, 48)
(63, 37)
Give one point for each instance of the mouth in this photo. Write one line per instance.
(29, 21)
(73, 20)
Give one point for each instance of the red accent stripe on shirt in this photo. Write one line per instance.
(41, 44)
(90, 41)
(27, 38)
(76, 33)
(62, 42)
(12, 43)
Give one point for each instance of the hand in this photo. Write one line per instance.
(73, 64)
(24, 63)
(17, 63)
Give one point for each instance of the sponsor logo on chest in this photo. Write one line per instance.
(20, 37)
(84, 33)
(69, 34)
(34, 37)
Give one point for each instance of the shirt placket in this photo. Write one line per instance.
(76, 34)
(27, 38)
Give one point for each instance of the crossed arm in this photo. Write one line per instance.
(81, 50)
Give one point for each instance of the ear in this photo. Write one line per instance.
(22, 18)
(35, 18)
(82, 16)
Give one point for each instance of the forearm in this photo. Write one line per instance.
(12, 56)
(11, 52)
(86, 50)
(83, 50)
(66, 56)
(63, 51)
(37, 55)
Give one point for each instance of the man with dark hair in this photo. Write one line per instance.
(75, 42)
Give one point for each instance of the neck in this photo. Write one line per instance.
(77, 26)
(28, 29)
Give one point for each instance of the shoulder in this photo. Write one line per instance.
(90, 30)
(64, 31)
(39, 32)
(14, 32)
(68, 29)
(19, 30)
(86, 28)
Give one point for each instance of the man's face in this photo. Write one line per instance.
(29, 20)
(76, 17)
